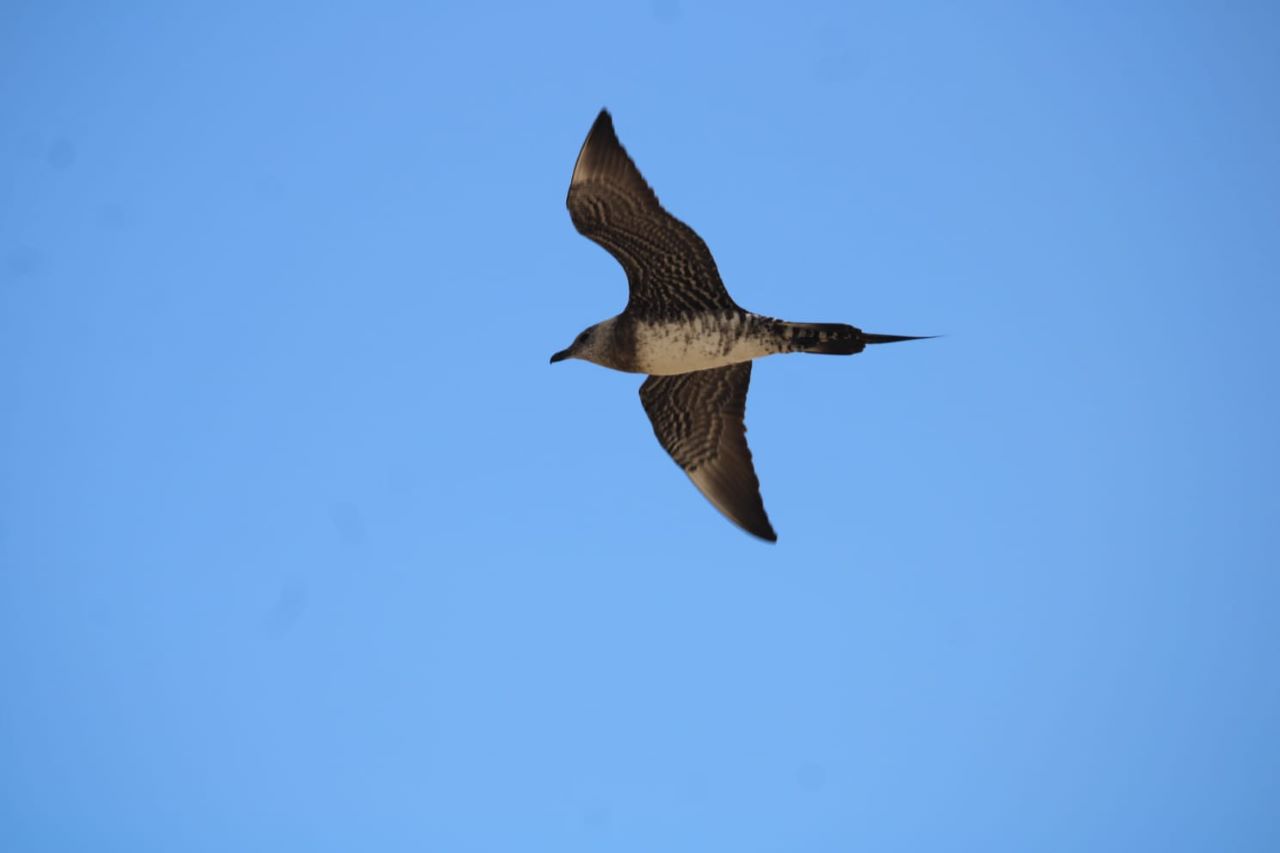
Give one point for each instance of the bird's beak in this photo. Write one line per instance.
(560, 356)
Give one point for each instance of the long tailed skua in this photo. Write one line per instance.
(683, 329)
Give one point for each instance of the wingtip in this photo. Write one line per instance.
(763, 532)
(603, 124)
(601, 137)
(759, 528)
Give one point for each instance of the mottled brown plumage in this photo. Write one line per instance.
(699, 418)
(669, 269)
(682, 327)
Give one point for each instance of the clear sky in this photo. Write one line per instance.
(304, 545)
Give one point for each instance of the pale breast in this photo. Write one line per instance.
(698, 343)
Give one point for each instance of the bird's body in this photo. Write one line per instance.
(703, 341)
(682, 328)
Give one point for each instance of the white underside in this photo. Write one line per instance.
(665, 349)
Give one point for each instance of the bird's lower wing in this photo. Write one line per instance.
(699, 419)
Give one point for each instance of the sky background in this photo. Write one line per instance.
(304, 546)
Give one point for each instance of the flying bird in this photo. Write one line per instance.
(682, 328)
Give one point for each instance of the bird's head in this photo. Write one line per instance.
(588, 345)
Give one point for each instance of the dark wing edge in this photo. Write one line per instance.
(668, 265)
(699, 419)
(603, 159)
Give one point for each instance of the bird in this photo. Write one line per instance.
(681, 327)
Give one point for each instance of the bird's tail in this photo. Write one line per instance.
(834, 338)
(893, 339)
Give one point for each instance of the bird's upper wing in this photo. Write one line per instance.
(699, 419)
(669, 269)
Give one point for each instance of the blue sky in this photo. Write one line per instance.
(304, 546)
